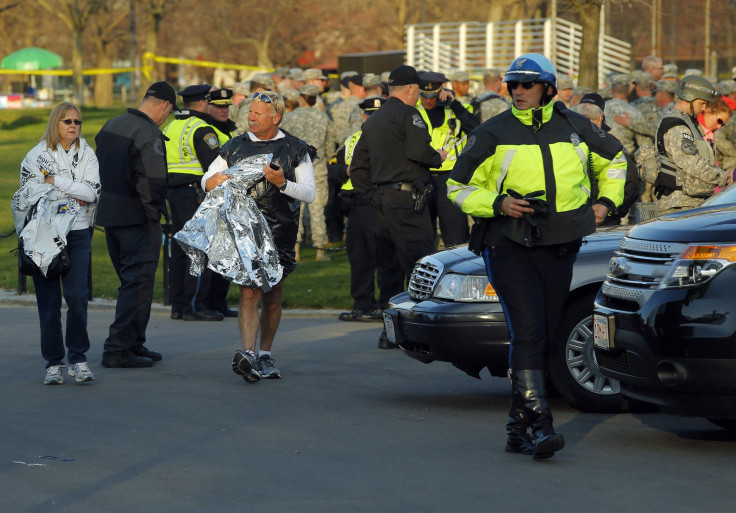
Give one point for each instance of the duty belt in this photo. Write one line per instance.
(398, 186)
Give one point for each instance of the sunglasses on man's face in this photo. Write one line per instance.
(513, 84)
(262, 96)
(77, 122)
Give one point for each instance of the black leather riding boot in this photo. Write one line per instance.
(517, 426)
(544, 437)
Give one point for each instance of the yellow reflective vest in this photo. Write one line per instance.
(350, 144)
(180, 154)
(444, 137)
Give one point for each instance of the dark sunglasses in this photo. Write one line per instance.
(262, 96)
(77, 122)
(720, 121)
(513, 84)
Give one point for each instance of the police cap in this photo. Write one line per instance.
(372, 103)
(220, 97)
(403, 75)
(163, 91)
(195, 93)
(594, 98)
(430, 83)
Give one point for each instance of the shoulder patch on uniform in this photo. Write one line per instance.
(211, 140)
(575, 139)
(158, 147)
(469, 144)
(688, 146)
(417, 120)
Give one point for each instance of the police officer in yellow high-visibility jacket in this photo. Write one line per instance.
(193, 143)
(526, 172)
(448, 122)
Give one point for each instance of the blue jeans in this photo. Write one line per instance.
(48, 297)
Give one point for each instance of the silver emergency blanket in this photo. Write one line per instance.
(45, 234)
(229, 234)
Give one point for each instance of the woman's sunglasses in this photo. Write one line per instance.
(77, 122)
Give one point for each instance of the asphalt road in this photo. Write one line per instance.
(350, 428)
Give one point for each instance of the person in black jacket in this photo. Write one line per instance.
(132, 156)
(392, 162)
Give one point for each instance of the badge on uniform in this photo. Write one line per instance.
(575, 139)
(211, 140)
(416, 119)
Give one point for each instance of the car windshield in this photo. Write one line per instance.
(727, 195)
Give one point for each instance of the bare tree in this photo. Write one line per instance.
(76, 15)
(156, 11)
(589, 14)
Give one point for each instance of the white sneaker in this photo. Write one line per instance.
(54, 375)
(81, 373)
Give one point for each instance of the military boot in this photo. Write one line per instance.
(517, 426)
(544, 437)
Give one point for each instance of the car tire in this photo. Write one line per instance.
(729, 424)
(572, 365)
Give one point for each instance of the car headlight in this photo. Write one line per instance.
(468, 289)
(698, 264)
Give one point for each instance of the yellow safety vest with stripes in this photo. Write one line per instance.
(451, 140)
(350, 144)
(180, 154)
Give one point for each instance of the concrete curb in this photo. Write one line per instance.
(10, 298)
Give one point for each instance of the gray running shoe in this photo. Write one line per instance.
(81, 373)
(244, 364)
(266, 367)
(54, 375)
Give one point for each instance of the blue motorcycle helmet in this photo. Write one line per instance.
(533, 67)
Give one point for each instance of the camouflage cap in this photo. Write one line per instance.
(263, 79)
(582, 91)
(314, 74)
(605, 93)
(384, 77)
(296, 74)
(643, 79)
(241, 88)
(564, 82)
(634, 75)
(620, 79)
(281, 72)
(668, 86)
(493, 73)
(460, 76)
(670, 71)
(725, 87)
(289, 94)
(694, 71)
(309, 90)
(371, 80)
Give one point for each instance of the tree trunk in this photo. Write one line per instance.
(78, 77)
(589, 14)
(103, 83)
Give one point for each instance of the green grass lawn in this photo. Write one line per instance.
(312, 285)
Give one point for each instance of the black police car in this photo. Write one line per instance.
(665, 318)
(451, 314)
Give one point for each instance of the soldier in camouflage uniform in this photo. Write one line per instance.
(310, 124)
(371, 87)
(648, 108)
(619, 106)
(460, 82)
(565, 90)
(259, 83)
(340, 112)
(490, 103)
(688, 173)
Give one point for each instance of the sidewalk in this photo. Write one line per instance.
(10, 298)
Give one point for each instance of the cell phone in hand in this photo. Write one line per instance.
(273, 165)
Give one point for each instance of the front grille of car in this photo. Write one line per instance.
(640, 265)
(424, 278)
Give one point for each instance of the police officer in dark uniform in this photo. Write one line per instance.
(193, 143)
(392, 162)
(360, 235)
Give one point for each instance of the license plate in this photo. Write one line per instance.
(603, 327)
(388, 324)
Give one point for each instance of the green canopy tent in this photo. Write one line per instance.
(31, 59)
